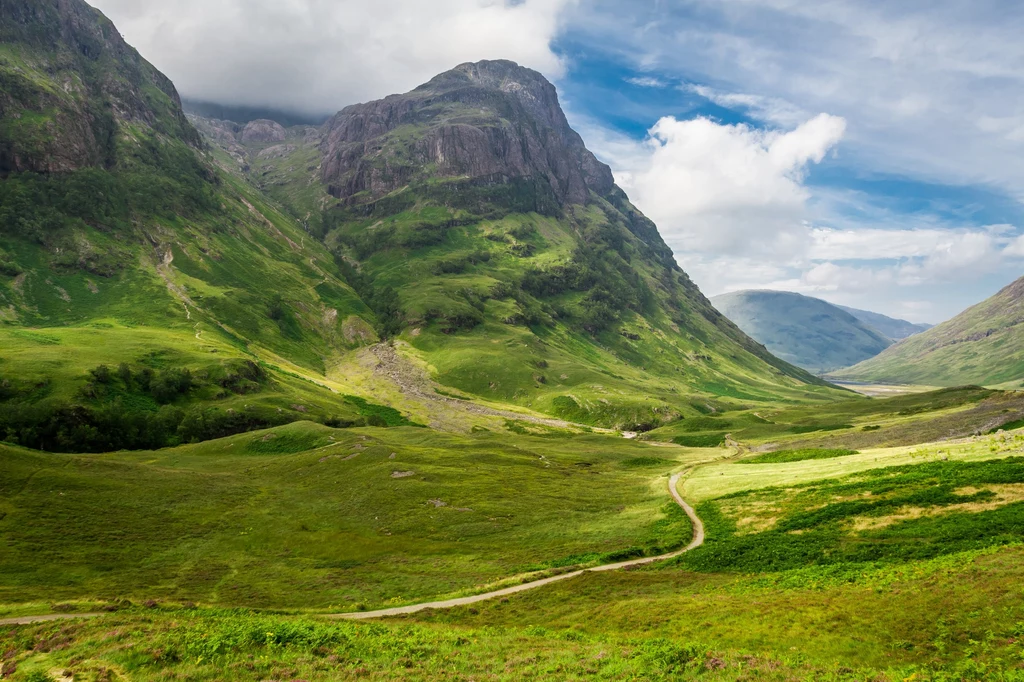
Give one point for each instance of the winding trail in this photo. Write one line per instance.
(697, 541)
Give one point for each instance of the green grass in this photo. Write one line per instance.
(218, 645)
(948, 612)
(705, 440)
(379, 415)
(303, 516)
(782, 456)
(953, 619)
(860, 423)
(727, 477)
(892, 514)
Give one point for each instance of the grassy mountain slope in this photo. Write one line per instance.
(808, 332)
(891, 327)
(982, 345)
(120, 243)
(466, 218)
(499, 251)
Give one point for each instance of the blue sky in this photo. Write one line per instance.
(914, 210)
(869, 153)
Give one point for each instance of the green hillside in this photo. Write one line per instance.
(134, 276)
(156, 289)
(805, 331)
(534, 253)
(982, 345)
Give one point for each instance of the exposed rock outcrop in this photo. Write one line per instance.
(262, 131)
(490, 121)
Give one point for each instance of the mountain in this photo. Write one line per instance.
(983, 345)
(805, 331)
(889, 326)
(122, 243)
(68, 85)
(472, 217)
(156, 287)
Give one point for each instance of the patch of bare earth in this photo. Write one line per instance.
(413, 381)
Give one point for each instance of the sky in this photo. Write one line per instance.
(866, 152)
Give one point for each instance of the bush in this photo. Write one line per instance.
(170, 384)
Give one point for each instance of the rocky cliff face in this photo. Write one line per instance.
(492, 121)
(68, 83)
(262, 131)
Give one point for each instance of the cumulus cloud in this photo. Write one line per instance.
(733, 203)
(319, 55)
(931, 89)
(728, 188)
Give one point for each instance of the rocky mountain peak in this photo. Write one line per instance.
(483, 122)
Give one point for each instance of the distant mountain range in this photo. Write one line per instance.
(983, 345)
(809, 332)
(891, 327)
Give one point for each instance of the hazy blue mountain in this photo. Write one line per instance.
(805, 331)
(892, 327)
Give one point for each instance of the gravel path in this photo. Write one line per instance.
(697, 541)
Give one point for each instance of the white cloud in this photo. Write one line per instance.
(647, 82)
(877, 244)
(768, 109)
(320, 55)
(732, 203)
(726, 188)
(933, 90)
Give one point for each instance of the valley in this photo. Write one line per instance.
(415, 391)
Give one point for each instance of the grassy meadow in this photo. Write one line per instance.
(885, 564)
(308, 517)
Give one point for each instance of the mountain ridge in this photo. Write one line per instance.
(892, 327)
(806, 331)
(982, 345)
(455, 144)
